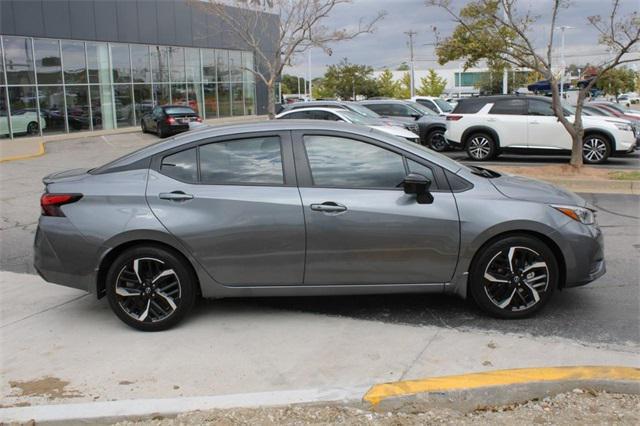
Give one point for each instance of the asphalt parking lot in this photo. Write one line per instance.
(604, 312)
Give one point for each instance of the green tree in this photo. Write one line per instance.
(506, 32)
(432, 84)
(403, 67)
(387, 86)
(320, 90)
(290, 84)
(617, 81)
(403, 90)
(345, 80)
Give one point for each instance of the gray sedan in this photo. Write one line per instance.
(303, 208)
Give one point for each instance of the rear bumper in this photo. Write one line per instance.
(63, 256)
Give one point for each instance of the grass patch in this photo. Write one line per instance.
(634, 175)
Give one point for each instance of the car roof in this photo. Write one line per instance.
(207, 132)
(312, 108)
(383, 101)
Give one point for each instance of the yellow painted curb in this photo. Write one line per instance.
(40, 152)
(380, 392)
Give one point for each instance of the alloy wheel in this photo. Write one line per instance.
(515, 278)
(438, 142)
(479, 147)
(32, 128)
(148, 291)
(594, 149)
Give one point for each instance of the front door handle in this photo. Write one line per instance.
(175, 196)
(328, 207)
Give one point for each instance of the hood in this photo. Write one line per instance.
(526, 189)
(396, 131)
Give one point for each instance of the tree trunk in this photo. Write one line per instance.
(271, 101)
(576, 149)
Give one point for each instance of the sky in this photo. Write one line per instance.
(388, 46)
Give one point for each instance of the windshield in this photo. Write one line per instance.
(421, 108)
(355, 118)
(362, 110)
(444, 105)
(570, 109)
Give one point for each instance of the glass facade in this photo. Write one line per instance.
(50, 86)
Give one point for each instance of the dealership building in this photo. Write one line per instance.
(86, 65)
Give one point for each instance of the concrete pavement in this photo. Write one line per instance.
(61, 346)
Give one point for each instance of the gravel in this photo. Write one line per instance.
(576, 407)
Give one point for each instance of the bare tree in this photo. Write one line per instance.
(300, 27)
(496, 30)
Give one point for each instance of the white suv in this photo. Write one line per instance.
(488, 126)
(437, 105)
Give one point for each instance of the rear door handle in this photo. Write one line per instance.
(175, 196)
(328, 207)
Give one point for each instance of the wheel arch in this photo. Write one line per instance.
(479, 129)
(592, 131)
(110, 255)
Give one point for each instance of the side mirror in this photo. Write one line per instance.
(416, 116)
(415, 183)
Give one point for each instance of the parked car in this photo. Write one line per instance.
(355, 107)
(437, 105)
(617, 109)
(432, 126)
(337, 114)
(595, 111)
(168, 120)
(488, 126)
(22, 121)
(303, 208)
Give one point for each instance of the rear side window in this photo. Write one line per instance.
(300, 115)
(469, 106)
(181, 166)
(427, 103)
(509, 107)
(244, 161)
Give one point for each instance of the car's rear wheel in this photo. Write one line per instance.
(481, 147)
(595, 149)
(513, 277)
(32, 128)
(161, 133)
(437, 141)
(143, 126)
(150, 288)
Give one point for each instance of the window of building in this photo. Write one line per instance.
(123, 105)
(141, 63)
(74, 61)
(143, 100)
(48, 64)
(209, 66)
(247, 161)
(52, 109)
(78, 116)
(193, 68)
(160, 63)
(18, 60)
(98, 63)
(176, 55)
(347, 163)
(222, 65)
(120, 63)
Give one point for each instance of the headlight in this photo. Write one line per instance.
(581, 214)
(623, 126)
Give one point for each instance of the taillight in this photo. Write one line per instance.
(50, 203)
(454, 117)
(170, 120)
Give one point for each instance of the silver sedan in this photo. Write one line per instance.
(301, 208)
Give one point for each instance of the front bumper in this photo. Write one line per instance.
(584, 253)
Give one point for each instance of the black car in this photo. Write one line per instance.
(168, 120)
(432, 126)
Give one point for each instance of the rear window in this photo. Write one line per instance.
(469, 106)
(179, 110)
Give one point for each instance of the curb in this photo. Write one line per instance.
(501, 387)
(38, 153)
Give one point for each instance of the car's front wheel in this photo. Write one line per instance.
(437, 141)
(481, 147)
(595, 149)
(513, 277)
(150, 288)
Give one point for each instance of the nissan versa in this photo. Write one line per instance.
(303, 208)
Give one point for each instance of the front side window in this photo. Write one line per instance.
(509, 107)
(540, 108)
(245, 161)
(182, 166)
(347, 163)
(427, 103)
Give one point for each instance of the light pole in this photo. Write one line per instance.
(412, 90)
(562, 28)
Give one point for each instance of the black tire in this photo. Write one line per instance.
(481, 147)
(524, 293)
(166, 299)
(161, 134)
(437, 141)
(143, 126)
(32, 128)
(596, 149)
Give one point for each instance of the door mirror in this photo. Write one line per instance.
(415, 183)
